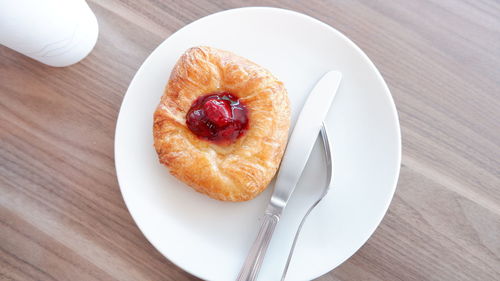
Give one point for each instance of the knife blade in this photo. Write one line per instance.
(300, 145)
(303, 137)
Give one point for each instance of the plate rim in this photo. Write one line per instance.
(388, 96)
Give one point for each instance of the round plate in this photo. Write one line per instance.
(210, 239)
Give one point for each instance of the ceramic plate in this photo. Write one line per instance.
(210, 239)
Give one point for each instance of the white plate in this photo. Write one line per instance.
(210, 239)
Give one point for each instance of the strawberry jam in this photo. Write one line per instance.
(218, 117)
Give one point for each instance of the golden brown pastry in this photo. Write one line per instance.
(222, 124)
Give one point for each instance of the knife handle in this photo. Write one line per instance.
(255, 257)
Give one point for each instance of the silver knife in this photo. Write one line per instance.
(297, 152)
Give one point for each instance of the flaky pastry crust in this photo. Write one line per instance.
(238, 171)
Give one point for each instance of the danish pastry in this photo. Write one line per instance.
(222, 124)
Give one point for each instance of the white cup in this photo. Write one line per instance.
(54, 32)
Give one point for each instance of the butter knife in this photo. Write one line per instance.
(297, 152)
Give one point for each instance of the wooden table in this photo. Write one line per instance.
(61, 213)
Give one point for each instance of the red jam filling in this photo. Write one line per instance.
(218, 117)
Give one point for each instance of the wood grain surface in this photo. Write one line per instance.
(61, 213)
